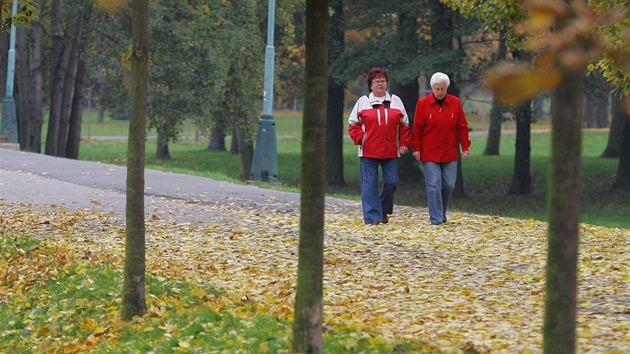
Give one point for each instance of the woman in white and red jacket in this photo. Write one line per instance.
(379, 125)
(439, 127)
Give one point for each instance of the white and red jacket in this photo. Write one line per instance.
(379, 130)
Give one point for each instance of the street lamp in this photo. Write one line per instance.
(265, 163)
(9, 115)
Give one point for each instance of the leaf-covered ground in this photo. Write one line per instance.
(475, 281)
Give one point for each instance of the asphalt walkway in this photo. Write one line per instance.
(43, 180)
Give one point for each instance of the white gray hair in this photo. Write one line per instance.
(440, 78)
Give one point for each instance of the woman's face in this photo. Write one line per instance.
(379, 86)
(439, 90)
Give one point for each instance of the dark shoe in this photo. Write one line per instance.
(385, 219)
(374, 223)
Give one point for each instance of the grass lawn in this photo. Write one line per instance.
(487, 178)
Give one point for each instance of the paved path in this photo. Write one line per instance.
(44, 180)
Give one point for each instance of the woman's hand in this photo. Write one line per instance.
(464, 154)
(403, 150)
(416, 154)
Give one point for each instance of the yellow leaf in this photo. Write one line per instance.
(516, 84)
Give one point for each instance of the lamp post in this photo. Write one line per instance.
(9, 115)
(265, 163)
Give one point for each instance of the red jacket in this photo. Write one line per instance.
(379, 131)
(437, 130)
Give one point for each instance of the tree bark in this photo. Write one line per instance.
(246, 154)
(623, 171)
(161, 150)
(56, 79)
(493, 143)
(217, 139)
(563, 207)
(133, 294)
(522, 180)
(615, 134)
(307, 324)
(335, 107)
(235, 143)
(69, 78)
(29, 85)
(76, 113)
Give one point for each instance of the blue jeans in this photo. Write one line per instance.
(440, 181)
(375, 204)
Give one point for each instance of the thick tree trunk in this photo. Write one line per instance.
(307, 324)
(161, 150)
(335, 131)
(623, 172)
(522, 180)
(615, 134)
(133, 293)
(76, 114)
(67, 97)
(217, 139)
(563, 207)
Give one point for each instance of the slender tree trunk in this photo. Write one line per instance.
(615, 134)
(623, 171)
(335, 131)
(409, 168)
(29, 86)
(70, 73)
(246, 154)
(76, 114)
(235, 143)
(493, 143)
(307, 325)
(56, 79)
(563, 207)
(133, 294)
(522, 180)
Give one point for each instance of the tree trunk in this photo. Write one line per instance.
(29, 85)
(235, 143)
(522, 180)
(623, 172)
(246, 154)
(76, 114)
(493, 143)
(563, 207)
(217, 139)
(161, 151)
(133, 296)
(408, 167)
(307, 324)
(615, 134)
(335, 107)
(56, 79)
(67, 97)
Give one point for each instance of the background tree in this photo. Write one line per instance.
(335, 108)
(29, 84)
(617, 123)
(308, 321)
(133, 296)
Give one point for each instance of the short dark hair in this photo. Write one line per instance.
(374, 73)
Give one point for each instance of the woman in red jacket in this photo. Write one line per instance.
(379, 125)
(439, 127)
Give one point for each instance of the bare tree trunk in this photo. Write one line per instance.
(246, 152)
(161, 151)
(133, 294)
(56, 79)
(493, 143)
(615, 134)
(335, 131)
(217, 139)
(522, 177)
(76, 114)
(235, 142)
(563, 207)
(308, 321)
(67, 97)
(623, 171)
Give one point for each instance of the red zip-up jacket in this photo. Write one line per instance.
(379, 131)
(437, 130)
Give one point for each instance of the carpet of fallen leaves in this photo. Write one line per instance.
(474, 281)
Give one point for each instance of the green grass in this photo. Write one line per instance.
(64, 303)
(487, 178)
